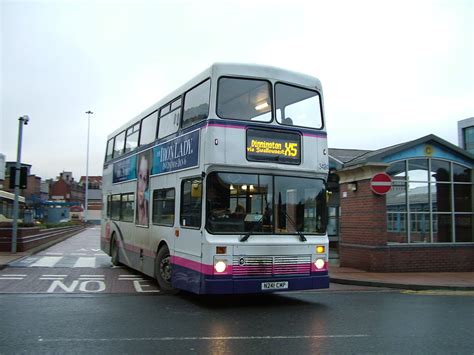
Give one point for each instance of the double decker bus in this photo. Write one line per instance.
(220, 187)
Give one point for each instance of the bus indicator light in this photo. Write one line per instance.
(320, 249)
(221, 250)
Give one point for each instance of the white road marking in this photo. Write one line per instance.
(47, 261)
(78, 254)
(11, 278)
(14, 275)
(50, 253)
(264, 337)
(51, 278)
(28, 260)
(51, 275)
(91, 275)
(85, 262)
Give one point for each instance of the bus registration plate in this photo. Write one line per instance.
(277, 285)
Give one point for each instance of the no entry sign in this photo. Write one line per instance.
(381, 183)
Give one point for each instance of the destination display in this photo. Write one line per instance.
(272, 146)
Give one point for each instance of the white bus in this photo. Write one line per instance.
(220, 187)
(6, 206)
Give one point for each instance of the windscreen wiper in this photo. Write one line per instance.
(302, 237)
(245, 236)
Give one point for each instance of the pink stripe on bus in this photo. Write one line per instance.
(197, 266)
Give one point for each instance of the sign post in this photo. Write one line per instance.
(381, 183)
(23, 120)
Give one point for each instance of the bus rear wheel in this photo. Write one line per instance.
(114, 251)
(163, 271)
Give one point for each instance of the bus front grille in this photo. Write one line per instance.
(247, 266)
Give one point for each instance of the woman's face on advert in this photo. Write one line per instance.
(142, 179)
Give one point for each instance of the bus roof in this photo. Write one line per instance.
(228, 69)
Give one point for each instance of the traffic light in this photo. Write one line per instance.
(23, 177)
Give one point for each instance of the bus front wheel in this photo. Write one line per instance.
(163, 270)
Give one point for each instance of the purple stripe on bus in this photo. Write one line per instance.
(223, 125)
(314, 135)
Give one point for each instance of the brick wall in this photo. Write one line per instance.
(409, 258)
(363, 216)
(363, 240)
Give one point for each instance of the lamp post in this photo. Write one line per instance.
(86, 215)
(23, 120)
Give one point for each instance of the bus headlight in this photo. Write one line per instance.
(220, 266)
(319, 263)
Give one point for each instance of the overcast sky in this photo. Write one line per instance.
(392, 71)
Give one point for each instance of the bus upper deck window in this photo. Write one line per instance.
(244, 99)
(298, 106)
(196, 104)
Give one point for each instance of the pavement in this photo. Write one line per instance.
(455, 281)
(6, 258)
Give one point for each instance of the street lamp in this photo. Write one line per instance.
(23, 120)
(89, 113)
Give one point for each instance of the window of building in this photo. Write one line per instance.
(119, 144)
(169, 119)
(244, 99)
(429, 197)
(191, 204)
(148, 128)
(469, 139)
(196, 104)
(131, 142)
(163, 207)
(127, 208)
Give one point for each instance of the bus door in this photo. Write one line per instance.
(188, 239)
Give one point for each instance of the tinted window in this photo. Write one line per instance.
(191, 191)
(461, 173)
(132, 138)
(110, 149)
(244, 99)
(109, 206)
(297, 106)
(265, 204)
(148, 130)
(127, 207)
(115, 207)
(163, 207)
(119, 144)
(196, 104)
(439, 170)
(418, 170)
(239, 203)
(169, 122)
(300, 205)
